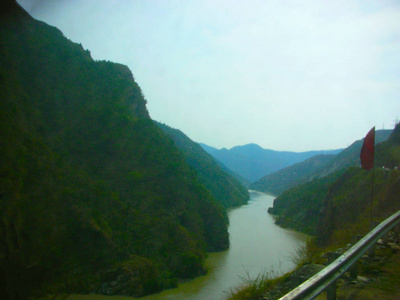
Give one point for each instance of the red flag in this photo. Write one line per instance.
(367, 150)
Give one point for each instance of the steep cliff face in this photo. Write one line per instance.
(93, 196)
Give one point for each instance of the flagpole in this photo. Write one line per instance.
(372, 192)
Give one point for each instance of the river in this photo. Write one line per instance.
(256, 245)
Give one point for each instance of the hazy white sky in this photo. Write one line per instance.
(287, 75)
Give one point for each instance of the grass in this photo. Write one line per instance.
(383, 275)
(255, 288)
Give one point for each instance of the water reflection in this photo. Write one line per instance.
(257, 245)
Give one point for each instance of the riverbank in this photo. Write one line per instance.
(378, 277)
(256, 245)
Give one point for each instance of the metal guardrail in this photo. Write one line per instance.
(326, 279)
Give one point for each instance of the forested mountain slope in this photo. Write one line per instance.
(348, 202)
(94, 196)
(289, 177)
(223, 187)
(315, 167)
(329, 206)
(253, 162)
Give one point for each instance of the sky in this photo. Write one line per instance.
(286, 75)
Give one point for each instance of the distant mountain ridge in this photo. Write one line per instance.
(315, 167)
(291, 176)
(253, 162)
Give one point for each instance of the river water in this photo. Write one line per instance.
(257, 245)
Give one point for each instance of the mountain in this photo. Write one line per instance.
(348, 203)
(328, 207)
(253, 162)
(212, 151)
(315, 167)
(223, 187)
(350, 155)
(95, 198)
(291, 176)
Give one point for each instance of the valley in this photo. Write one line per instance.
(98, 198)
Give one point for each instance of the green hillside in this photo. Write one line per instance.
(94, 196)
(334, 206)
(223, 187)
(315, 167)
(300, 206)
(348, 203)
(292, 176)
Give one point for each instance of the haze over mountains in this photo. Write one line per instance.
(336, 203)
(306, 189)
(95, 196)
(253, 162)
(315, 167)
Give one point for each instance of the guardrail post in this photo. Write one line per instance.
(331, 291)
(326, 280)
(371, 251)
(353, 269)
(396, 231)
(332, 256)
(385, 239)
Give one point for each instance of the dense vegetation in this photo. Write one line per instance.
(329, 206)
(253, 162)
(292, 176)
(223, 187)
(335, 208)
(94, 197)
(315, 167)
(348, 203)
(299, 207)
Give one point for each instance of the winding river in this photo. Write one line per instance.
(257, 246)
